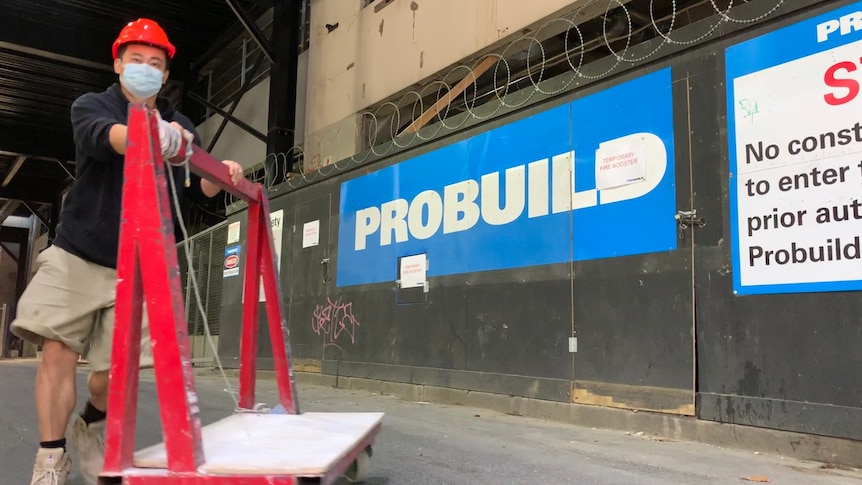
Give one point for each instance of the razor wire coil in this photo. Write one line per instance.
(391, 117)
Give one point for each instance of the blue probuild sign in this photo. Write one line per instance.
(590, 179)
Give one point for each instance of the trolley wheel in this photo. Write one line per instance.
(360, 469)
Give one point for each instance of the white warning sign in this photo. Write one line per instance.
(795, 119)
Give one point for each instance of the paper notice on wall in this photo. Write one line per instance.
(311, 234)
(620, 162)
(413, 269)
(233, 232)
(277, 222)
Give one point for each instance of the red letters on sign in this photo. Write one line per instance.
(842, 83)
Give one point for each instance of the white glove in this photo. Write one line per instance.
(171, 139)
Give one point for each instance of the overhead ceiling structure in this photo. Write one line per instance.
(52, 51)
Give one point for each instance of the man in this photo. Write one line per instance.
(68, 307)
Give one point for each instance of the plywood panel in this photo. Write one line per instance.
(280, 444)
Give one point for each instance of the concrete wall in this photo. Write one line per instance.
(235, 143)
(373, 55)
(369, 57)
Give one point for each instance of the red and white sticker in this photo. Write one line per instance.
(231, 261)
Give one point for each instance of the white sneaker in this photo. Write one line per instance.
(89, 443)
(52, 467)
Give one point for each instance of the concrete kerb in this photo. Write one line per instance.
(833, 451)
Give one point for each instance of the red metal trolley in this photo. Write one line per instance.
(251, 446)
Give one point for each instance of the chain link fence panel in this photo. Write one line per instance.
(207, 258)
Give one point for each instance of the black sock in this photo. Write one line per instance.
(91, 414)
(61, 443)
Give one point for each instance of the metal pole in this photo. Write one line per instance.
(55, 219)
(286, 24)
(237, 97)
(2, 330)
(209, 279)
(243, 67)
(242, 124)
(189, 294)
(252, 28)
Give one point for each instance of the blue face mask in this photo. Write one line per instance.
(142, 80)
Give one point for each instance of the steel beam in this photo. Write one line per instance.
(192, 83)
(235, 102)
(29, 30)
(63, 166)
(8, 209)
(16, 235)
(14, 170)
(286, 25)
(55, 218)
(28, 155)
(217, 47)
(30, 194)
(242, 124)
(36, 213)
(8, 250)
(75, 61)
(252, 28)
(52, 143)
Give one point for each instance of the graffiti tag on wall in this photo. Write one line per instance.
(335, 322)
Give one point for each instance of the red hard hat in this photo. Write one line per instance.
(144, 31)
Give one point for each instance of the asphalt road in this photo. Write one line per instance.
(427, 444)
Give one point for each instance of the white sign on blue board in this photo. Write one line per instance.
(795, 138)
(525, 193)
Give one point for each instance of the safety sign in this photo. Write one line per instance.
(795, 136)
(231, 261)
(277, 223)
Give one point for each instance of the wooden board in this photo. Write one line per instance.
(307, 444)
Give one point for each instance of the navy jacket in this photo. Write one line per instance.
(89, 225)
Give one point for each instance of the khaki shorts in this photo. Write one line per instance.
(71, 300)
